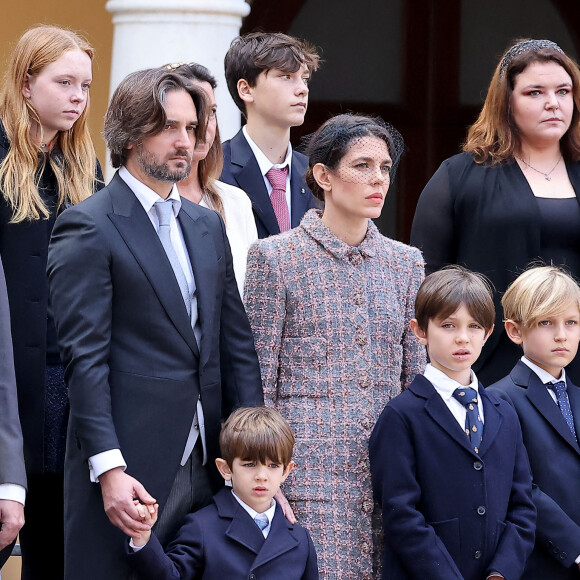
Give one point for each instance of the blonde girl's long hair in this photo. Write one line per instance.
(75, 168)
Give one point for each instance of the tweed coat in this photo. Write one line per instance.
(331, 327)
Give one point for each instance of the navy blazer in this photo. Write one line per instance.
(448, 512)
(555, 461)
(222, 542)
(133, 368)
(242, 170)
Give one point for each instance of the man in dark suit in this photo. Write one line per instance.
(542, 311)
(267, 75)
(12, 472)
(154, 337)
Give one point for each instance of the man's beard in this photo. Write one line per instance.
(161, 171)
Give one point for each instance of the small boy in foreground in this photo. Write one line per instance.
(542, 314)
(244, 534)
(448, 463)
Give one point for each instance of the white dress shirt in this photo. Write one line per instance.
(445, 386)
(269, 513)
(265, 165)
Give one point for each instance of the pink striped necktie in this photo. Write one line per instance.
(277, 178)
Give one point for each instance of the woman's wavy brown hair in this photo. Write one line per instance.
(495, 137)
(73, 160)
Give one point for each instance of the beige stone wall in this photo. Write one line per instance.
(88, 17)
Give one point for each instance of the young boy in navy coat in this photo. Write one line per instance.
(448, 463)
(541, 309)
(244, 534)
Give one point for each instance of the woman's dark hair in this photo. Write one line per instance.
(332, 141)
(210, 168)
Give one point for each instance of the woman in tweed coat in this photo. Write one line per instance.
(330, 304)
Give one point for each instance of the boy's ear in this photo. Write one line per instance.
(224, 468)
(321, 174)
(287, 470)
(245, 91)
(514, 331)
(419, 333)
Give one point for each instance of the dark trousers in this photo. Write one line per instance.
(190, 492)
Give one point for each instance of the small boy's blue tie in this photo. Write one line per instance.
(560, 389)
(473, 423)
(261, 521)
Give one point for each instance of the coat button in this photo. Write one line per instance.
(478, 466)
(358, 299)
(365, 548)
(481, 510)
(252, 577)
(477, 555)
(556, 550)
(563, 555)
(355, 258)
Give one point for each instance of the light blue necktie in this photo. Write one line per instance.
(562, 398)
(261, 521)
(164, 210)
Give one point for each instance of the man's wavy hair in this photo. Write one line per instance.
(137, 110)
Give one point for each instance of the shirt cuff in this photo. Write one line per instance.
(134, 547)
(577, 560)
(105, 461)
(13, 492)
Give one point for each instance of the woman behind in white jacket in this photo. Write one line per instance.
(202, 186)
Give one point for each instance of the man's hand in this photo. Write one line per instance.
(119, 490)
(286, 509)
(12, 519)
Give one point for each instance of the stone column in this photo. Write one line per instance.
(151, 33)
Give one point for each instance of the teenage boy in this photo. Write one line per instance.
(541, 309)
(268, 75)
(448, 463)
(244, 534)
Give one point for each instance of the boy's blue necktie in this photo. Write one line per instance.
(473, 423)
(261, 521)
(560, 389)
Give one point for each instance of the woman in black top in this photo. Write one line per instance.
(47, 161)
(512, 196)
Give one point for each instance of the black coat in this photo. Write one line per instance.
(24, 250)
(485, 218)
(133, 367)
(242, 170)
(555, 461)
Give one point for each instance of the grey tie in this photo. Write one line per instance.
(164, 210)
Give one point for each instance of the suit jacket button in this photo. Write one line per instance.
(477, 555)
(478, 466)
(481, 510)
(563, 556)
(252, 577)
(556, 550)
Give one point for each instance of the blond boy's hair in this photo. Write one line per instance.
(256, 434)
(538, 293)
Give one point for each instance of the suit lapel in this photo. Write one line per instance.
(492, 420)
(196, 236)
(279, 540)
(438, 411)
(137, 231)
(242, 529)
(251, 180)
(299, 196)
(539, 397)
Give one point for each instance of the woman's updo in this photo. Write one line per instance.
(330, 143)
